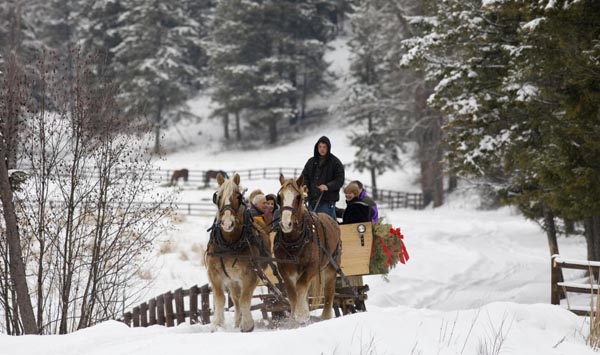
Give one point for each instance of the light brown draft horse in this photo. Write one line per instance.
(232, 245)
(314, 240)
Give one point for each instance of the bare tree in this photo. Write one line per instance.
(82, 212)
(10, 105)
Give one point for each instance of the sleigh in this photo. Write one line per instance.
(351, 292)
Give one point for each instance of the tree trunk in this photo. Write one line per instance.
(373, 182)
(157, 127)
(550, 228)
(13, 97)
(592, 237)
(273, 130)
(452, 182)
(238, 128)
(226, 125)
(16, 263)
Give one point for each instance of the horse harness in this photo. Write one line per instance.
(244, 242)
(309, 233)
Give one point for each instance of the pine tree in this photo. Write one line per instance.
(154, 73)
(267, 58)
(556, 157)
(369, 106)
(101, 35)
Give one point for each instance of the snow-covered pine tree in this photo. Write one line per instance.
(464, 53)
(554, 148)
(152, 69)
(261, 53)
(201, 13)
(100, 35)
(369, 107)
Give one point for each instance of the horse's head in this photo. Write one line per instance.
(290, 200)
(229, 200)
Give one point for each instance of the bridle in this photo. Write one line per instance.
(292, 209)
(229, 206)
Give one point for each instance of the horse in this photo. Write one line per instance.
(179, 174)
(311, 239)
(233, 243)
(212, 174)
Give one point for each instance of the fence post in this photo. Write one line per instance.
(169, 309)
(194, 304)
(127, 319)
(136, 316)
(554, 279)
(144, 314)
(179, 308)
(205, 314)
(152, 311)
(160, 302)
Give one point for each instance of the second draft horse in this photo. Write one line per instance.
(229, 257)
(313, 240)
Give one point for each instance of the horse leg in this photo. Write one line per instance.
(219, 300)
(247, 322)
(235, 292)
(329, 276)
(302, 313)
(290, 286)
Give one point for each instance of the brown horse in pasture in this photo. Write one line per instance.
(212, 174)
(229, 257)
(179, 174)
(313, 240)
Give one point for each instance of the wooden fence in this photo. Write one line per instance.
(389, 198)
(560, 288)
(170, 307)
(385, 198)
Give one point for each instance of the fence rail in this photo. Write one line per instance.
(391, 198)
(386, 198)
(559, 287)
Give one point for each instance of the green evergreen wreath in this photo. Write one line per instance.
(388, 248)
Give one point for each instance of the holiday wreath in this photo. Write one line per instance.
(388, 248)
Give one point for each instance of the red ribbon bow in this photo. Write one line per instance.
(403, 255)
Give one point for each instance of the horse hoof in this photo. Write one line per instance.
(248, 330)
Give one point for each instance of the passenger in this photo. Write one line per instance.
(252, 195)
(356, 210)
(259, 205)
(271, 207)
(323, 177)
(373, 212)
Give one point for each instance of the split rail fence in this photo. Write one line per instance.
(560, 288)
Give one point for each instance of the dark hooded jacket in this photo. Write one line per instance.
(356, 211)
(323, 171)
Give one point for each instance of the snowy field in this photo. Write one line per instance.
(477, 282)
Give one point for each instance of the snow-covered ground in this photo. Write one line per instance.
(477, 282)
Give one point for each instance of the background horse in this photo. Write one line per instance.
(212, 174)
(233, 241)
(179, 174)
(314, 239)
